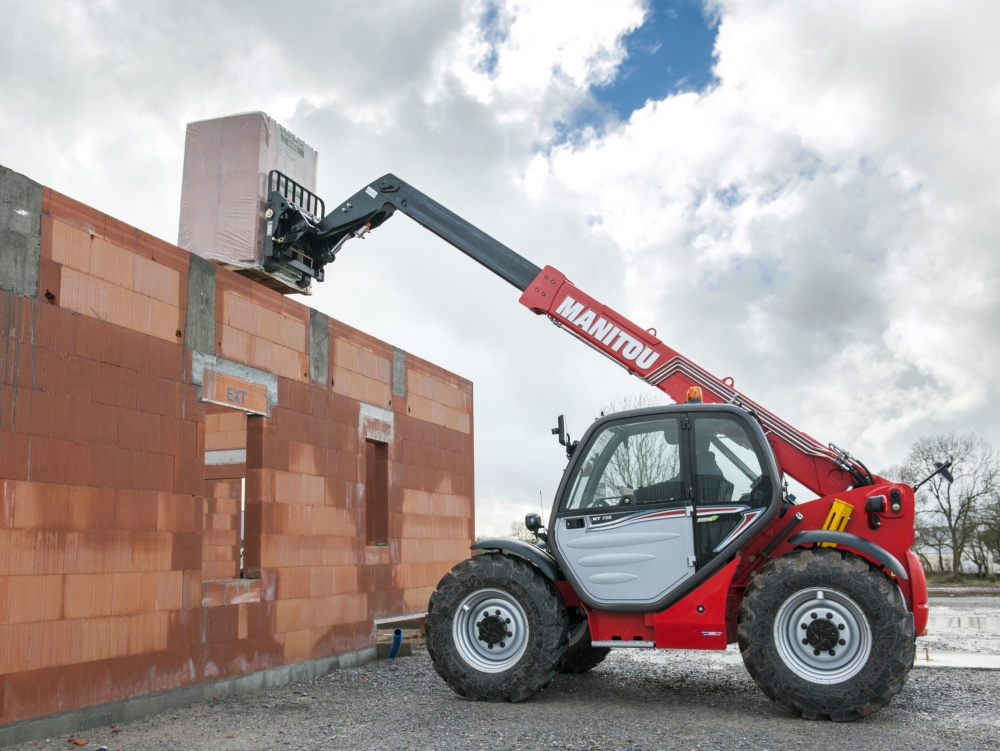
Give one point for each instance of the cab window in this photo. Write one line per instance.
(730, 480)
(726, 465)
(628, 465)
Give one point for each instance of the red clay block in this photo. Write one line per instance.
(35, 598)
(108, 425)
(83, 685)
(128, 510)
(69, 211)
(183, 628)
(59, 461)
(165, 359)
(46, 332)
(85, 421)
(222, 624)
(14, 456)
(189, 475)
(78, 596)
(115, 386)
(149, 505)
(213, 594)
(189, 438)
(125, 593)
(151, 433)
(252, 553)
(49, 281)
(134, 350)
(130, 429)
(122, 680)
(168, 508)
(157, 395)
(154, 472)
(186, 551)
(90, 338)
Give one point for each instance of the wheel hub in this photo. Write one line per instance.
(822, 635)
(490, 630)
(493, 628)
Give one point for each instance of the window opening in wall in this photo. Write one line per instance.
(225, 493)
(377, 493)
(243, 516)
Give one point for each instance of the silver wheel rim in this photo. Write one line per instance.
(490, 630)
(822, 636)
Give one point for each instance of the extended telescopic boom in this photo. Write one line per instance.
(297, 238)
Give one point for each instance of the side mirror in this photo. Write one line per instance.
(533, 522)
(560, 430)
(945, 472)
(564, 439)
(939, 469)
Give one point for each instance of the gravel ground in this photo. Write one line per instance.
(647, 700)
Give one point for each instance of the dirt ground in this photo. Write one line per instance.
(634, 700)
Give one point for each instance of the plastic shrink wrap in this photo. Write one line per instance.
(224, 190)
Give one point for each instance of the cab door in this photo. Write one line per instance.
(732, 483)
(625, 529)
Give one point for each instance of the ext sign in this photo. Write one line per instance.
(230, 391)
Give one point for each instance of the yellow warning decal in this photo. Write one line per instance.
(836, 520)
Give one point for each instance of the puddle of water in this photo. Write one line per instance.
(988, 624)
(939, 659)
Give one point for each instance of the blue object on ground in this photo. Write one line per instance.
(397, 640)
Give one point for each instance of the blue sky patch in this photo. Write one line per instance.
(671, 52)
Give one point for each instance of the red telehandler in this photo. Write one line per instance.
(672, 526)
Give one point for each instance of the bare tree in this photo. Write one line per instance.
(988, 530)
(643, 458)
(936, 539)
(520, 532)
(954, 508)
(639, 400)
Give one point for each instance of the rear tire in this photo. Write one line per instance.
(581, 656)
(825, 634)
(496, 629)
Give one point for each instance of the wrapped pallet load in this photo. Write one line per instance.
(227, 163)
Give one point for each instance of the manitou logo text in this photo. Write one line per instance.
(607, 333)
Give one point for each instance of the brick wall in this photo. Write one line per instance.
(119, 559)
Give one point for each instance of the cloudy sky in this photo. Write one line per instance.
(801, 195)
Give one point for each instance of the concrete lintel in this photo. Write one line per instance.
(319, 347)
(398, 372)
(401, 618)
(128, 710)
(201, 362)
(375, 424)
(20, 232)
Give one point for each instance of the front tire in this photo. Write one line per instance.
(826, 635)
(496, 629)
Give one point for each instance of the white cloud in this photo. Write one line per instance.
(821, 213)
(819, 225)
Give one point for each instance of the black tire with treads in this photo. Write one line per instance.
(582, 656)
(546, 618)
(893, 635)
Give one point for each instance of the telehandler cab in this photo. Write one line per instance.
(671, 527)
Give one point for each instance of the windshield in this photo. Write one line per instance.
(636, 463)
